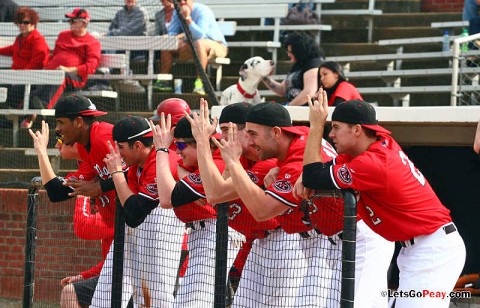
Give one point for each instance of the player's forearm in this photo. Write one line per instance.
(165, 181)
(217, 189)
(313, 146)
(252, 196)
(46, 170)
(121, 186)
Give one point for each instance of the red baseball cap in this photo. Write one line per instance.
(78, 13)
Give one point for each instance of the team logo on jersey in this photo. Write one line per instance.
(344, 175)
(152, 188)
(253, 176)
(282, 186)
(287, 176)
(195, 178)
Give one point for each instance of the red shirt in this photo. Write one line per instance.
(239, 218)
(82, 52)
(345, 90)
(193, 211)
(142, 181)
(290, 171)
(100, 132)
(397, 201)
(28, 53)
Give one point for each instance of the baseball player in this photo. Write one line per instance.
(187, 197)
(79, 110)
(397, 201)
(159, 234)
(274, 254)
(271, 134)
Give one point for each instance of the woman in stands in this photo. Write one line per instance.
(29, 51)
(334, 83)
(301, 81)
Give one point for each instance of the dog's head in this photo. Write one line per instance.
(256, 67)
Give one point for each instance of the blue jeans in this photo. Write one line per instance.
(470, 10)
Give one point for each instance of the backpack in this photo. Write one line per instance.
(301, 14)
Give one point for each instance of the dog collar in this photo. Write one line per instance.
(245, 94)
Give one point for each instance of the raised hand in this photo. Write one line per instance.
(202, 129)
(318, 109)
(162, 133)
(40, 139)
(231, 150)
(113, 160)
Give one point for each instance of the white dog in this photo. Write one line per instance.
(251, 73)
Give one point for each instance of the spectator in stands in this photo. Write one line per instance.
(471, 14)
(208, 41)
(131, 20)
(77, 53)
(7, 10)
(334, 83)
(29, 51)
(301, 81)
(164, 17)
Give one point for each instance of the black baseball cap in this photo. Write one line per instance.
(76, 105)
(235, 113)
(272, 114)
(183, 129)
(131, 128)
(358, 112)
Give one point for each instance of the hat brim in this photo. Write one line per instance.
(377, 128)
(95, 113)
(293, 129)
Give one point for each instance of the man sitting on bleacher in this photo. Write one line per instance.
(77, 53)
(208, 40)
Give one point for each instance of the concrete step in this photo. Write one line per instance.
(385, 5)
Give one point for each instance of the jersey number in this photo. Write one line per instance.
(415, 172)
(235, 210)
(375, 221)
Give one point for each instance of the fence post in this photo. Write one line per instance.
(118, 255)
(31, 235)
(348, 249)
(221, 248)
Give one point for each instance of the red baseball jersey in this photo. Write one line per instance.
(142, 181)
(290, 170)
(100, 132)
(193, 211)
(90, 225)
(397, 201)
(239, 217)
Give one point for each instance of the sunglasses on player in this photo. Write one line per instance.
(24, 22)
(181, 145)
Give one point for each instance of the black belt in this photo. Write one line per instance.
(447, 229)
(306, 234)
(193, 224)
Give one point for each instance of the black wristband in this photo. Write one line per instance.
(166, 150)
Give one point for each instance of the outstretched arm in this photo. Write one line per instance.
(318, 117)
(40, 144)
(162, 138)
(217, 189)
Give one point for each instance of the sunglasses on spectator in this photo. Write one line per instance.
(74, 20)
(24, 22)
(181, 145)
